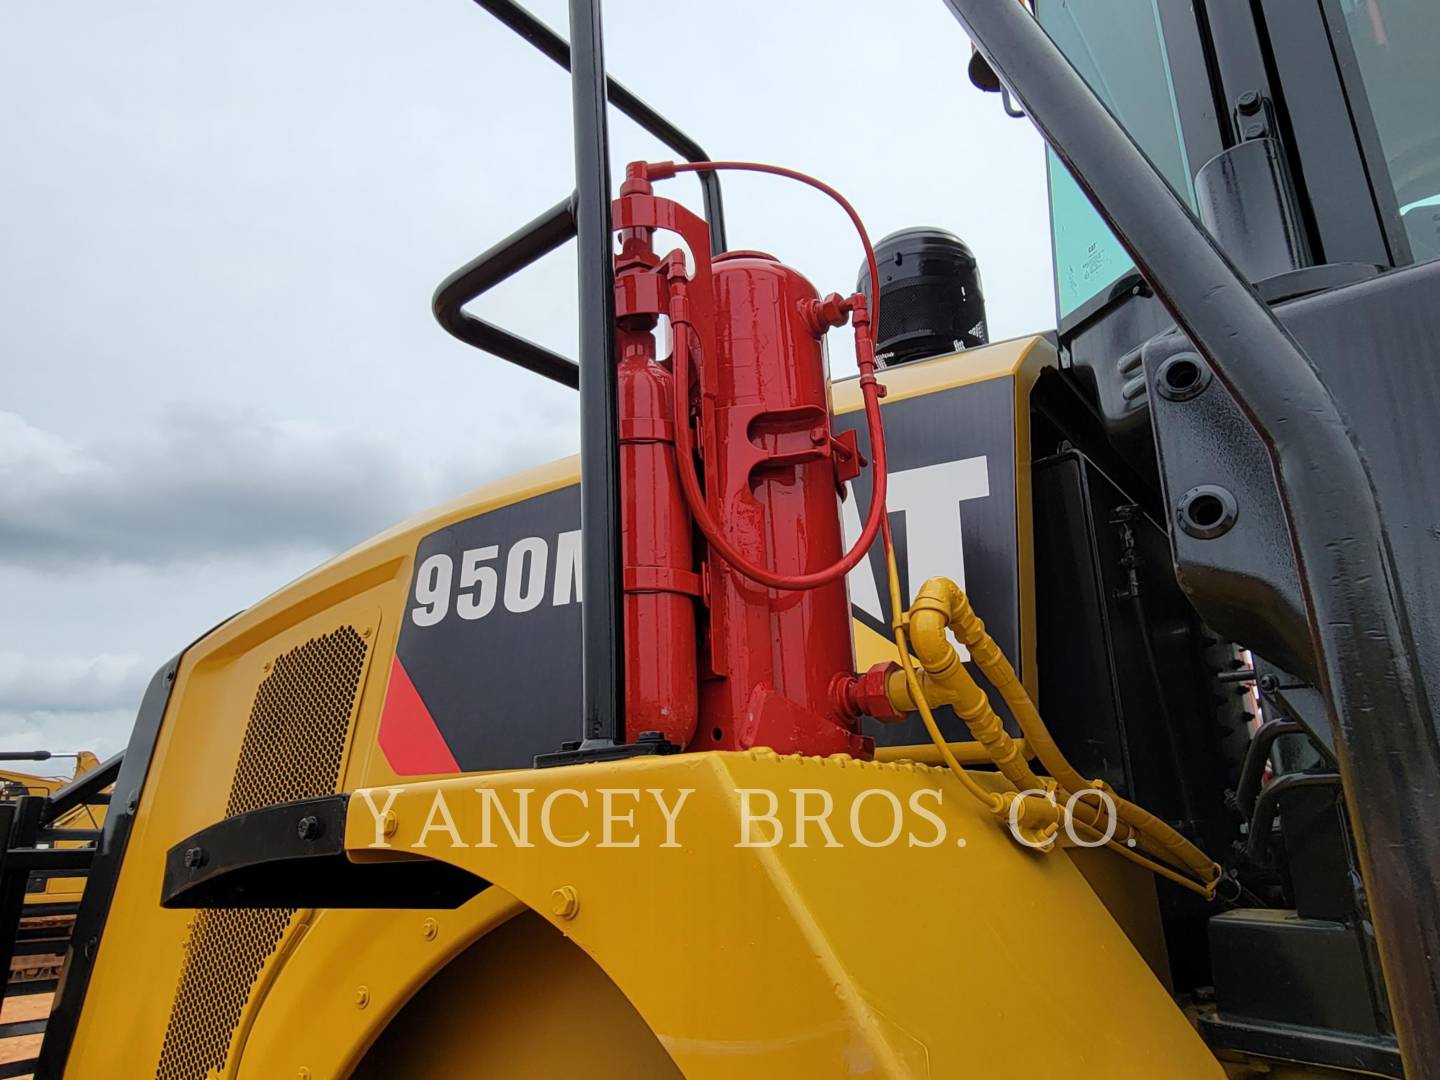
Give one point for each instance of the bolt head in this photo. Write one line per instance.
(194, 858)
(310, 827)
(390, 823)
(429, 929)
(565, 902)
(362, 996)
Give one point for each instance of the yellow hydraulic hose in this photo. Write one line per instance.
(1037, 819)
(946, 680)
(966, 753)
(1154, 866)
(1162, 839)
(941, 604)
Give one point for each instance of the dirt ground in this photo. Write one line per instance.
(30, 1007)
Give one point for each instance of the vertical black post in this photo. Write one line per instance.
(602, 611)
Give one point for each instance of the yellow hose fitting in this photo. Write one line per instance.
(945, 670)
(1034, 819)
(968, 626)
(938, 604)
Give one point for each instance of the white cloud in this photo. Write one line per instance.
(23, 447)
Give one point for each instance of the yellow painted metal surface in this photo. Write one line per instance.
(784, 961)
(312, 1016)
(533, 1005)
(1027, 355)
(1128, 893)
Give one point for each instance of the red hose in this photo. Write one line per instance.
(870, 389)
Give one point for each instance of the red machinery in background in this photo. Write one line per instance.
(748, 644)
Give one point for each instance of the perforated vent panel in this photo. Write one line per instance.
(293, 746)
(297, 730)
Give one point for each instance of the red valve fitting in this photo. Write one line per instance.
(823, 315)
(855, 696)
(652, 170)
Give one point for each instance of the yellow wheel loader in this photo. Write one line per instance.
(1052, 707)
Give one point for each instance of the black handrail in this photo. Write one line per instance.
(1267, 806)
(557, 225)
(1385, 735)
(586, 215)
(83, 790)
(555, 47)
(1252, 769)
(517, 251)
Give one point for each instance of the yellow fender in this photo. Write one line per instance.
(966, 956)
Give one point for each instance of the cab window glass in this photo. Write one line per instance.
(1118, 47)
(1397, 51)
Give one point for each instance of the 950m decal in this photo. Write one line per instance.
(487, 669)
(530, 572)
(486, 673)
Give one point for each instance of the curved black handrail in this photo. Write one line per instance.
(1257, 754)
(517, 251)
(1267, 806)
(554, 227)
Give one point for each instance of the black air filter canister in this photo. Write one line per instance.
(930, 297)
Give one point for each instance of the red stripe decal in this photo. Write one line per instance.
(409, 739)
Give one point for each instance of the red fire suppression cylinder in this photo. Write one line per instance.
(773, 471)
(745, 398)
(660, 583)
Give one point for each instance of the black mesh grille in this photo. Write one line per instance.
(292, 749)
(931, 306)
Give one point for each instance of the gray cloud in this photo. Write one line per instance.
(68, 703)
(103, 732)
(70, 683)
(198, 493)
(201, 483)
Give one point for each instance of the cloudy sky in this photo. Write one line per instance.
(219, 233)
